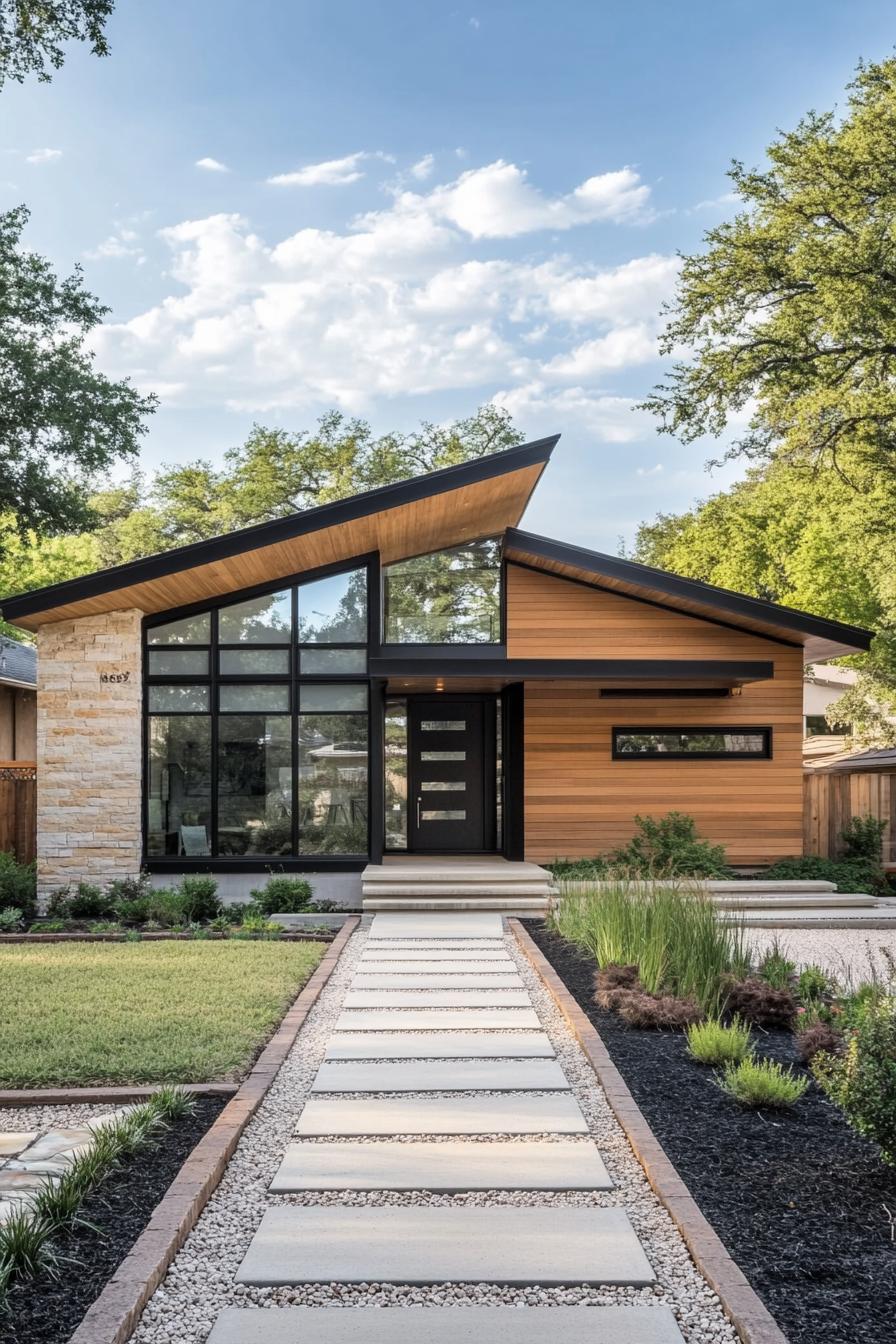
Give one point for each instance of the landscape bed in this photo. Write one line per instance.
(801, 1201)
(82, 1014)
(46, 1310)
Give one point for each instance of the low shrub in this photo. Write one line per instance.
(283, 896)
(49, 926)
(133, 910)
(817, 1037)
(18, 885)
(756, 1001)
(200, 898)
(812, 985)
(860, 874)
(129, 888)
(862, 1081)
(775, 968)
(104, 926)
(670, 847)
(167, 907)
(762, 1082)
(579, 870)
(88, 901)
(862, 838)
(11, 919)
(322, 907)
(657, 1011)
(711, 1042)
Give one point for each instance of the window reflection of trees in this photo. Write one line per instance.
(446, 597)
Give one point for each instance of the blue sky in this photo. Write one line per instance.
(406, 209)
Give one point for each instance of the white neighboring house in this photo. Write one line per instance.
(823, 684)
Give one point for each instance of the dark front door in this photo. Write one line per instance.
(451, 750)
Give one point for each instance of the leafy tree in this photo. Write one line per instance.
(808, 540)
(789, 314)
(61, 421)
(32, 33)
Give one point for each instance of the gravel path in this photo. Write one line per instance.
(40, 1119)
(201, 1280)
(851, 955)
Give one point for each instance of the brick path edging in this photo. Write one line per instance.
(743, 1307)
(114, 1315)
(79, 1096)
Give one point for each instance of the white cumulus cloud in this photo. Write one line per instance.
(43, 155)
(212, 165)
(423, 168)
(330, 173)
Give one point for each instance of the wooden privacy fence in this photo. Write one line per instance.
(18, 809)
(832, 797)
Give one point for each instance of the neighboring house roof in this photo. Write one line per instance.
(819, 637)
(485, 497)
(869, 758)
(18, 663)
(426, 513)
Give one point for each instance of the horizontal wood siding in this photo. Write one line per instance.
(579, 801)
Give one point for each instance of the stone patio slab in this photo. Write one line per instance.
(446, 1075)
(437, 1019)
(440, 1045)
(433, 968)
(446, 1325)
(448, 1167)
(459, 980)
(435, 952)
(515, 1246)
(439, 944)
(426, 925)
(12, 1143)
(437, 998)
(514, 1113)
(57, 1141)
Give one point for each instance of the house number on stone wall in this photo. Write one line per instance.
(114, 678)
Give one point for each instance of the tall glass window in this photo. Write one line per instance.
(257, 736)
(179, 785)
(396, 777)
(446, 597)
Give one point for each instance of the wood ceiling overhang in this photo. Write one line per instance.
(820, 638)
(444, 508)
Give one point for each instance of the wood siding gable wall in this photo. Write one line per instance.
(578, 800)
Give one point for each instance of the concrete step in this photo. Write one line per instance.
(500, 890)
(440, 1045)
(716, 887)
(438, 1019)
(457, 871)
(879, 916)
(451, 1166)
(473, 924)
(415, 1245)
(441, 1075)
(784, 900)
(513, 905)
(446, 1325)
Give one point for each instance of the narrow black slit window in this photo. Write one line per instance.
(680, 744)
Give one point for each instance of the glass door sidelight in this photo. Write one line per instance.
(452, 767)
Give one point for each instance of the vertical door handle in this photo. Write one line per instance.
(419, 801)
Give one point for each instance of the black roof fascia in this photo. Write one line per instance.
(282, 529)
(692, 590)
(564, 669)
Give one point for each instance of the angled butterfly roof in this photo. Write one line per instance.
(443, 508)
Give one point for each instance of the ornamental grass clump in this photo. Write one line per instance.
(672, 934)
(762, 1082)
(712, 1042)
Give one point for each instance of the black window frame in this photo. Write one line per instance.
(656, 730)
(293, 678)
(412, 649)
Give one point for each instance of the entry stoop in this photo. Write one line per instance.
(456, 883)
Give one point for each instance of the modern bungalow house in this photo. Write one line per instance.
(404, 678)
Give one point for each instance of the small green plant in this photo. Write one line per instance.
(862, 1081)
(776, 968)
(133, 936)
(25, 1247)
(862, 838)
(283, 896)
(221, 923)
(129, 888)
(18, 885)
(812, 985)
(132, 909)
(167, 907)
(199, 894)
(11, 919)
(670, 847)
(173, 1103)
(711, 1042)
(48, 926)
(104, 926)
(848, 875)
(89, 902)
(762, 1082)
(579, 870)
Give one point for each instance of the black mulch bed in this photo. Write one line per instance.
(797, 1197)
(47, 1311)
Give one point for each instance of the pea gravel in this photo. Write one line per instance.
(200, 1282)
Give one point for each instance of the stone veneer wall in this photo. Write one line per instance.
(89, 748)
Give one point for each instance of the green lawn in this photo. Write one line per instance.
(84, 1013)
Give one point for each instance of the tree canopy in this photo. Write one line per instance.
(61, 421)
(788, 316)
(32, 33)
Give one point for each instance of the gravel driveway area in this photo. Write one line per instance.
(850, 955)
